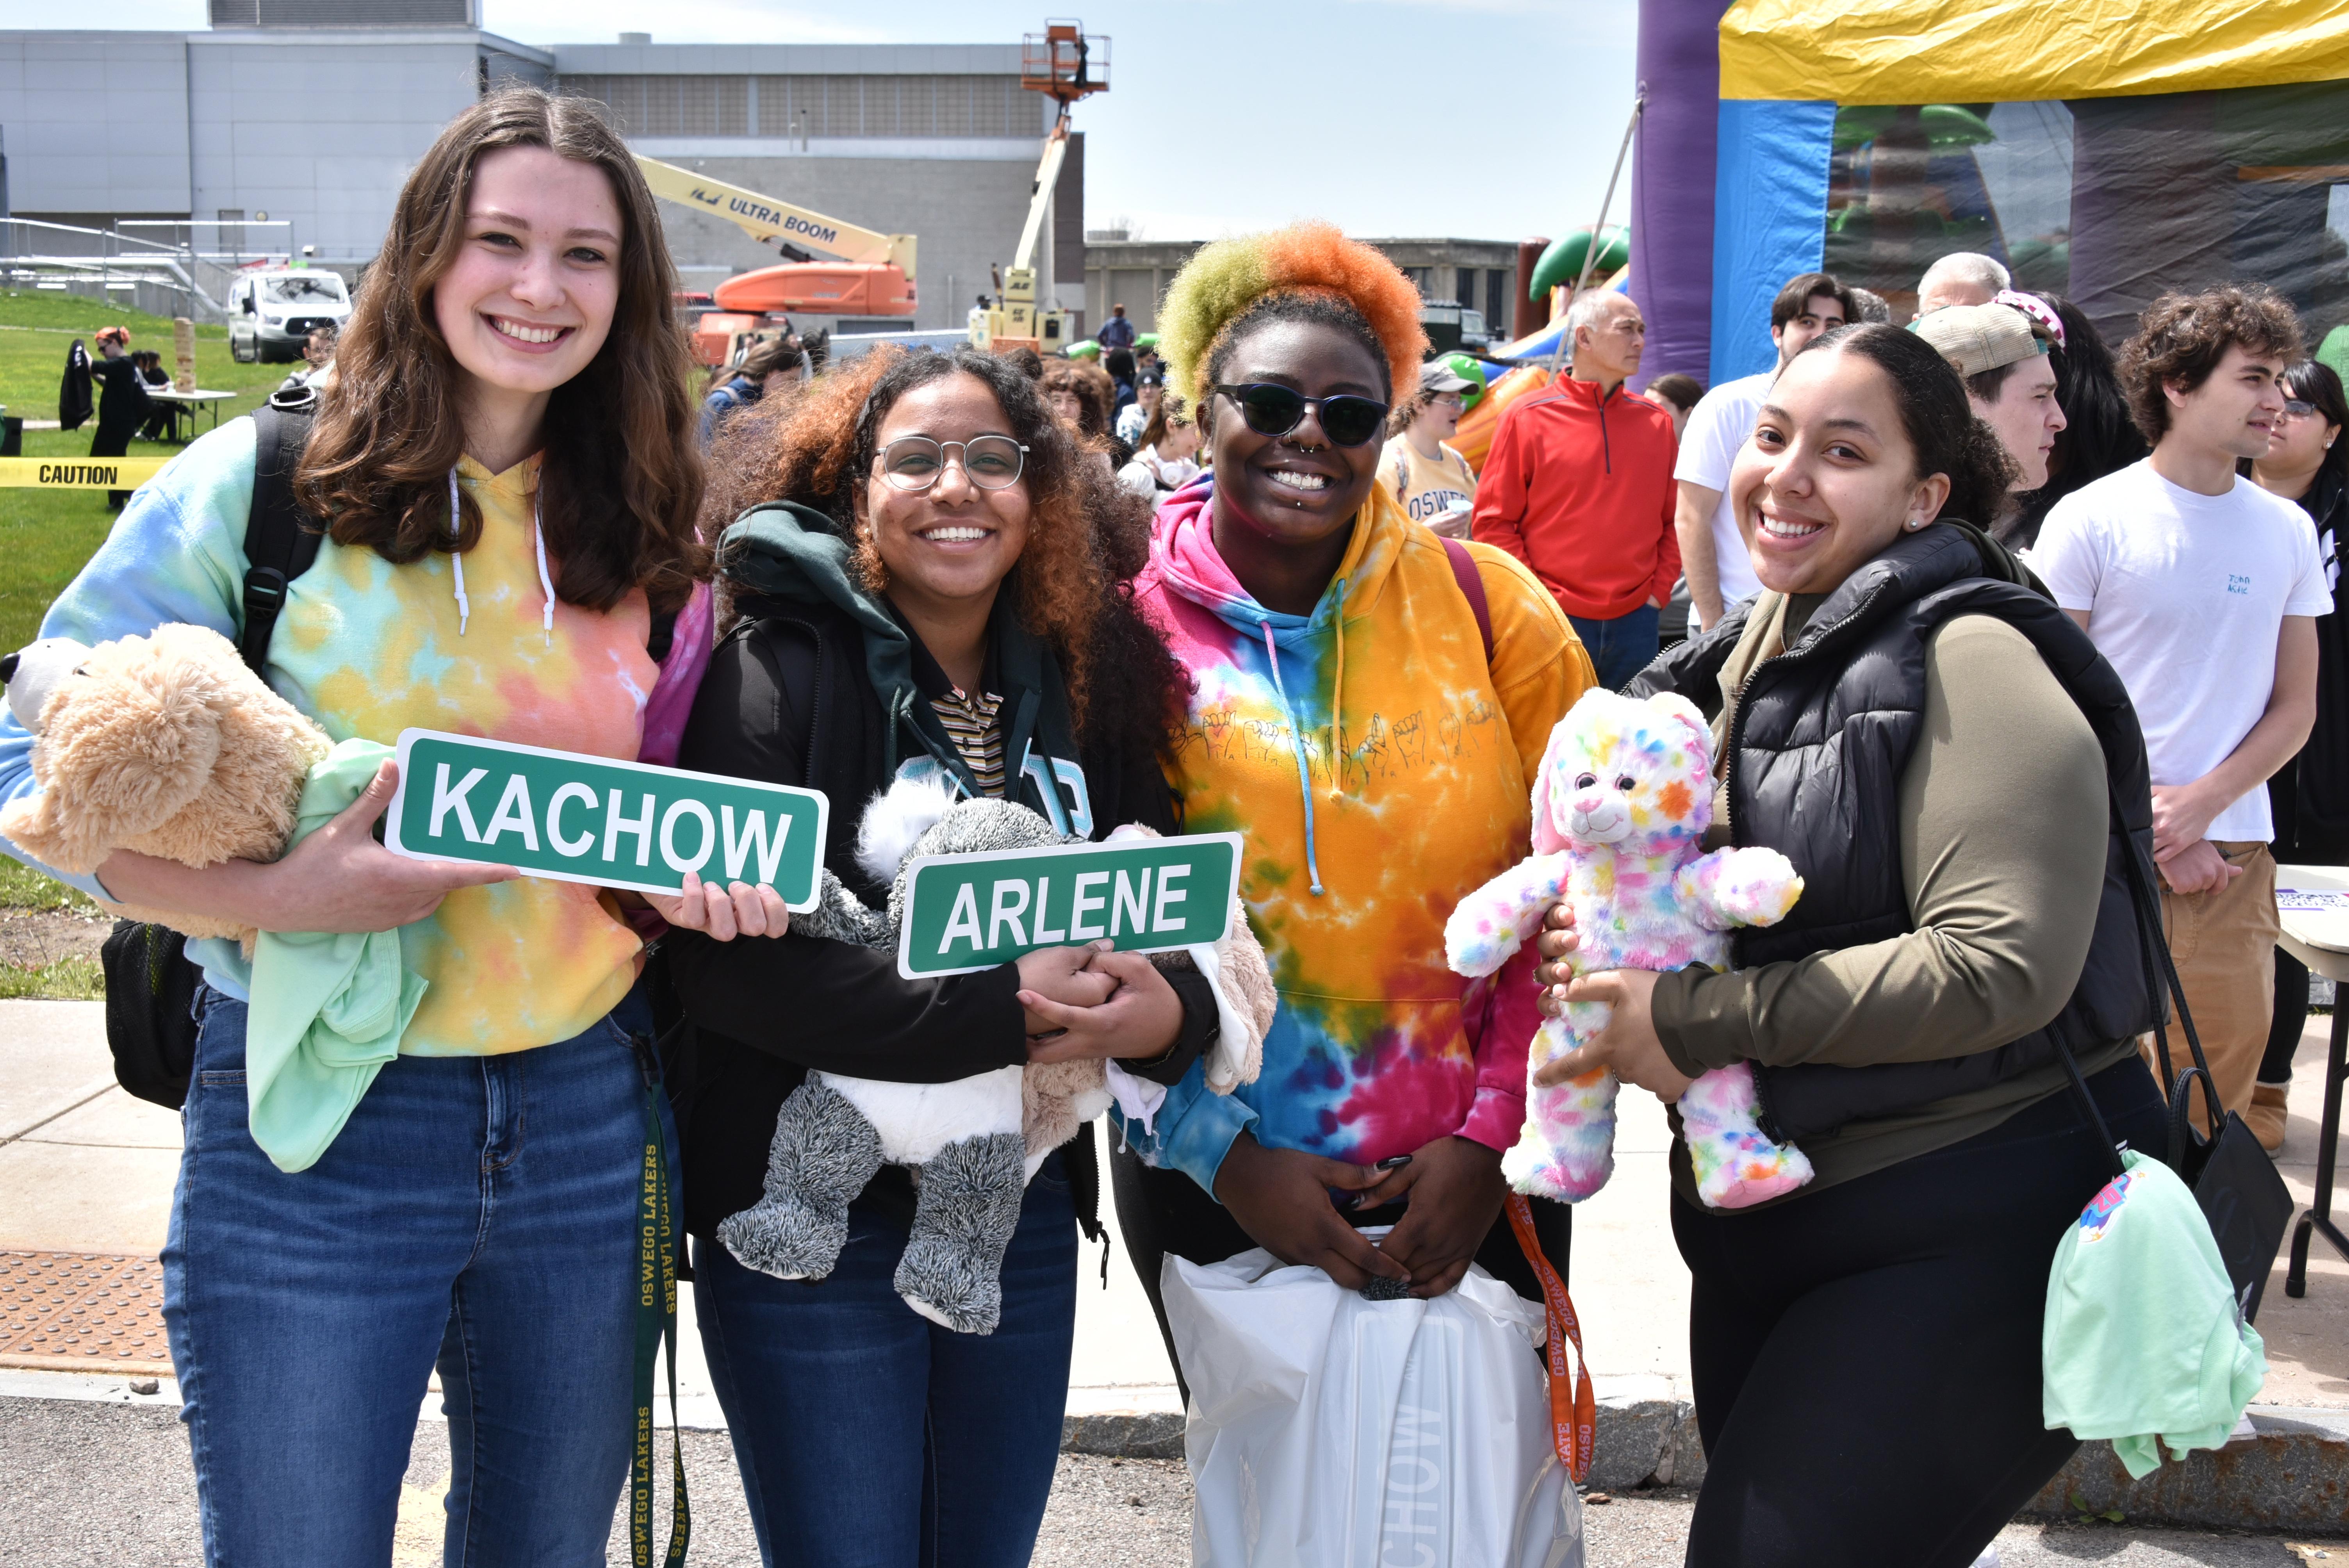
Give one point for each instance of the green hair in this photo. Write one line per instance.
(1220, 281)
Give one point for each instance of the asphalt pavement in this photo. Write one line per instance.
(99, 1485)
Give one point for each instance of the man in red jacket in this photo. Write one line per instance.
(1579, 488)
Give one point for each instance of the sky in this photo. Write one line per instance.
(1489, 120)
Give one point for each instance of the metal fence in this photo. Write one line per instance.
(162, 266)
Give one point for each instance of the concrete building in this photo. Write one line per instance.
(1134, 273)
(937, 141)
(311, 112)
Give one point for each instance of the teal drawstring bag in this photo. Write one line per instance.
(2144, 1343)
(329, 1007)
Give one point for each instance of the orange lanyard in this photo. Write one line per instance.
(1572, 1405)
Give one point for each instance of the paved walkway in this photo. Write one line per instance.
(83, 1168)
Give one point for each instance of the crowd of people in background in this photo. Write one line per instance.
(2174, 506)
(1974, 605)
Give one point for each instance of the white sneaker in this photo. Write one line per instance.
(1989, 1559)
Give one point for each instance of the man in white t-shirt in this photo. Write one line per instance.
(2202, 590)
(1713, 555)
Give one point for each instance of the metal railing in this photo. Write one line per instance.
(173, 269)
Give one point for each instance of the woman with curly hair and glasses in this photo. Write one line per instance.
(1370, 703)
(504, 469)
(924, 580)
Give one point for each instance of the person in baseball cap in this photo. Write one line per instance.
(1432, 481)
(1999, 350)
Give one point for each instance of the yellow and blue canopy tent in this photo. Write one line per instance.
(2107, 149)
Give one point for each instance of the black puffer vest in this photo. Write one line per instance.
(1817, 748)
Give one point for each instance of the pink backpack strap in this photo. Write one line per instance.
(1472, 588)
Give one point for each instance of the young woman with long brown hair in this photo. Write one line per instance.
(924, 580)
(504, 468)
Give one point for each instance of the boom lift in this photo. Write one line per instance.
(875, 275)
(1064, 62)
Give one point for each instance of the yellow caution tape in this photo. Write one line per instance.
(79, 473)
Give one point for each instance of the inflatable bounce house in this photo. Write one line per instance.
(2102, 149)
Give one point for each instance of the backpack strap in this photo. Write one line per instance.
(1472, 588)
(279, 543)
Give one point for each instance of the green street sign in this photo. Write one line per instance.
(968, 913)
(571, 818)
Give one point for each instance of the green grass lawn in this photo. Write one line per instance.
(45, 536)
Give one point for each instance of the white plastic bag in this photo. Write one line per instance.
(1328, 1431)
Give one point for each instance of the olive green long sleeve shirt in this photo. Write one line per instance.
(2003, 830)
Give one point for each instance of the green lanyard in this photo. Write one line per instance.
(655, 1326)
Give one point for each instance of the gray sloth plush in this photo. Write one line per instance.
(974, 1143)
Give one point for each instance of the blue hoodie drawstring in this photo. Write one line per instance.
(1297, 740)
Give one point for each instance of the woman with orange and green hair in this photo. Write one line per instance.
(1370, 704)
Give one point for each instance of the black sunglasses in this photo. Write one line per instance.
(1275, 410)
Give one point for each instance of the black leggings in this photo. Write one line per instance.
(2291, 1016)
(1867, 1357)
(1163, 1212)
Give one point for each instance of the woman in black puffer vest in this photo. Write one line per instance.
(1959, 779)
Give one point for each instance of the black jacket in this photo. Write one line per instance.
(74, 391)
(2310, 794)
(818, 684)
(1821, 736)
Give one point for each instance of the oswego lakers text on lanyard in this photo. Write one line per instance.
(571, 818)
(968, 913)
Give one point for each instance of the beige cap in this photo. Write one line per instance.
(1978, 337)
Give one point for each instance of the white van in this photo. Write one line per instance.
(272, 312)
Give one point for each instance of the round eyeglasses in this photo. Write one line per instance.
(914, 463)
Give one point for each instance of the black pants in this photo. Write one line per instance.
(113, 441)
(1163, 1212)
(1867, 1357)
(2290, 1018)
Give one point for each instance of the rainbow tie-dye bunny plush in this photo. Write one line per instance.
(1622, 801)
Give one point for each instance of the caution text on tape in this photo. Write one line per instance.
(79, 473)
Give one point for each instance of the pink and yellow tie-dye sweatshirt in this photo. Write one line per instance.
(1380, 770)
(367, 649)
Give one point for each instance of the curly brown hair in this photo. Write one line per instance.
(1092, 388)
(622, 481)
(2182, 337)
(1085, 539)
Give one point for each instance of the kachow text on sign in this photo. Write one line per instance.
(573, 817)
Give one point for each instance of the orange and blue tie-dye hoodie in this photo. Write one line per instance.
(1380, 770)
(367, 649)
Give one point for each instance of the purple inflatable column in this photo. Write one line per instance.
(1672, 182)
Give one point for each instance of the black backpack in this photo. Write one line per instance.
(150, 985)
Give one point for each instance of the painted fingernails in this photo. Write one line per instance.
(1393, 1162)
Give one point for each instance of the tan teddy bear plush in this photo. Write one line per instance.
(167, 745)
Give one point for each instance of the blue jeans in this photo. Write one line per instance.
(477, 1212)
(869, 1437)
(1622, 647)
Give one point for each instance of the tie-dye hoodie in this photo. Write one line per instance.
(1350, 870)
(367, 649)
